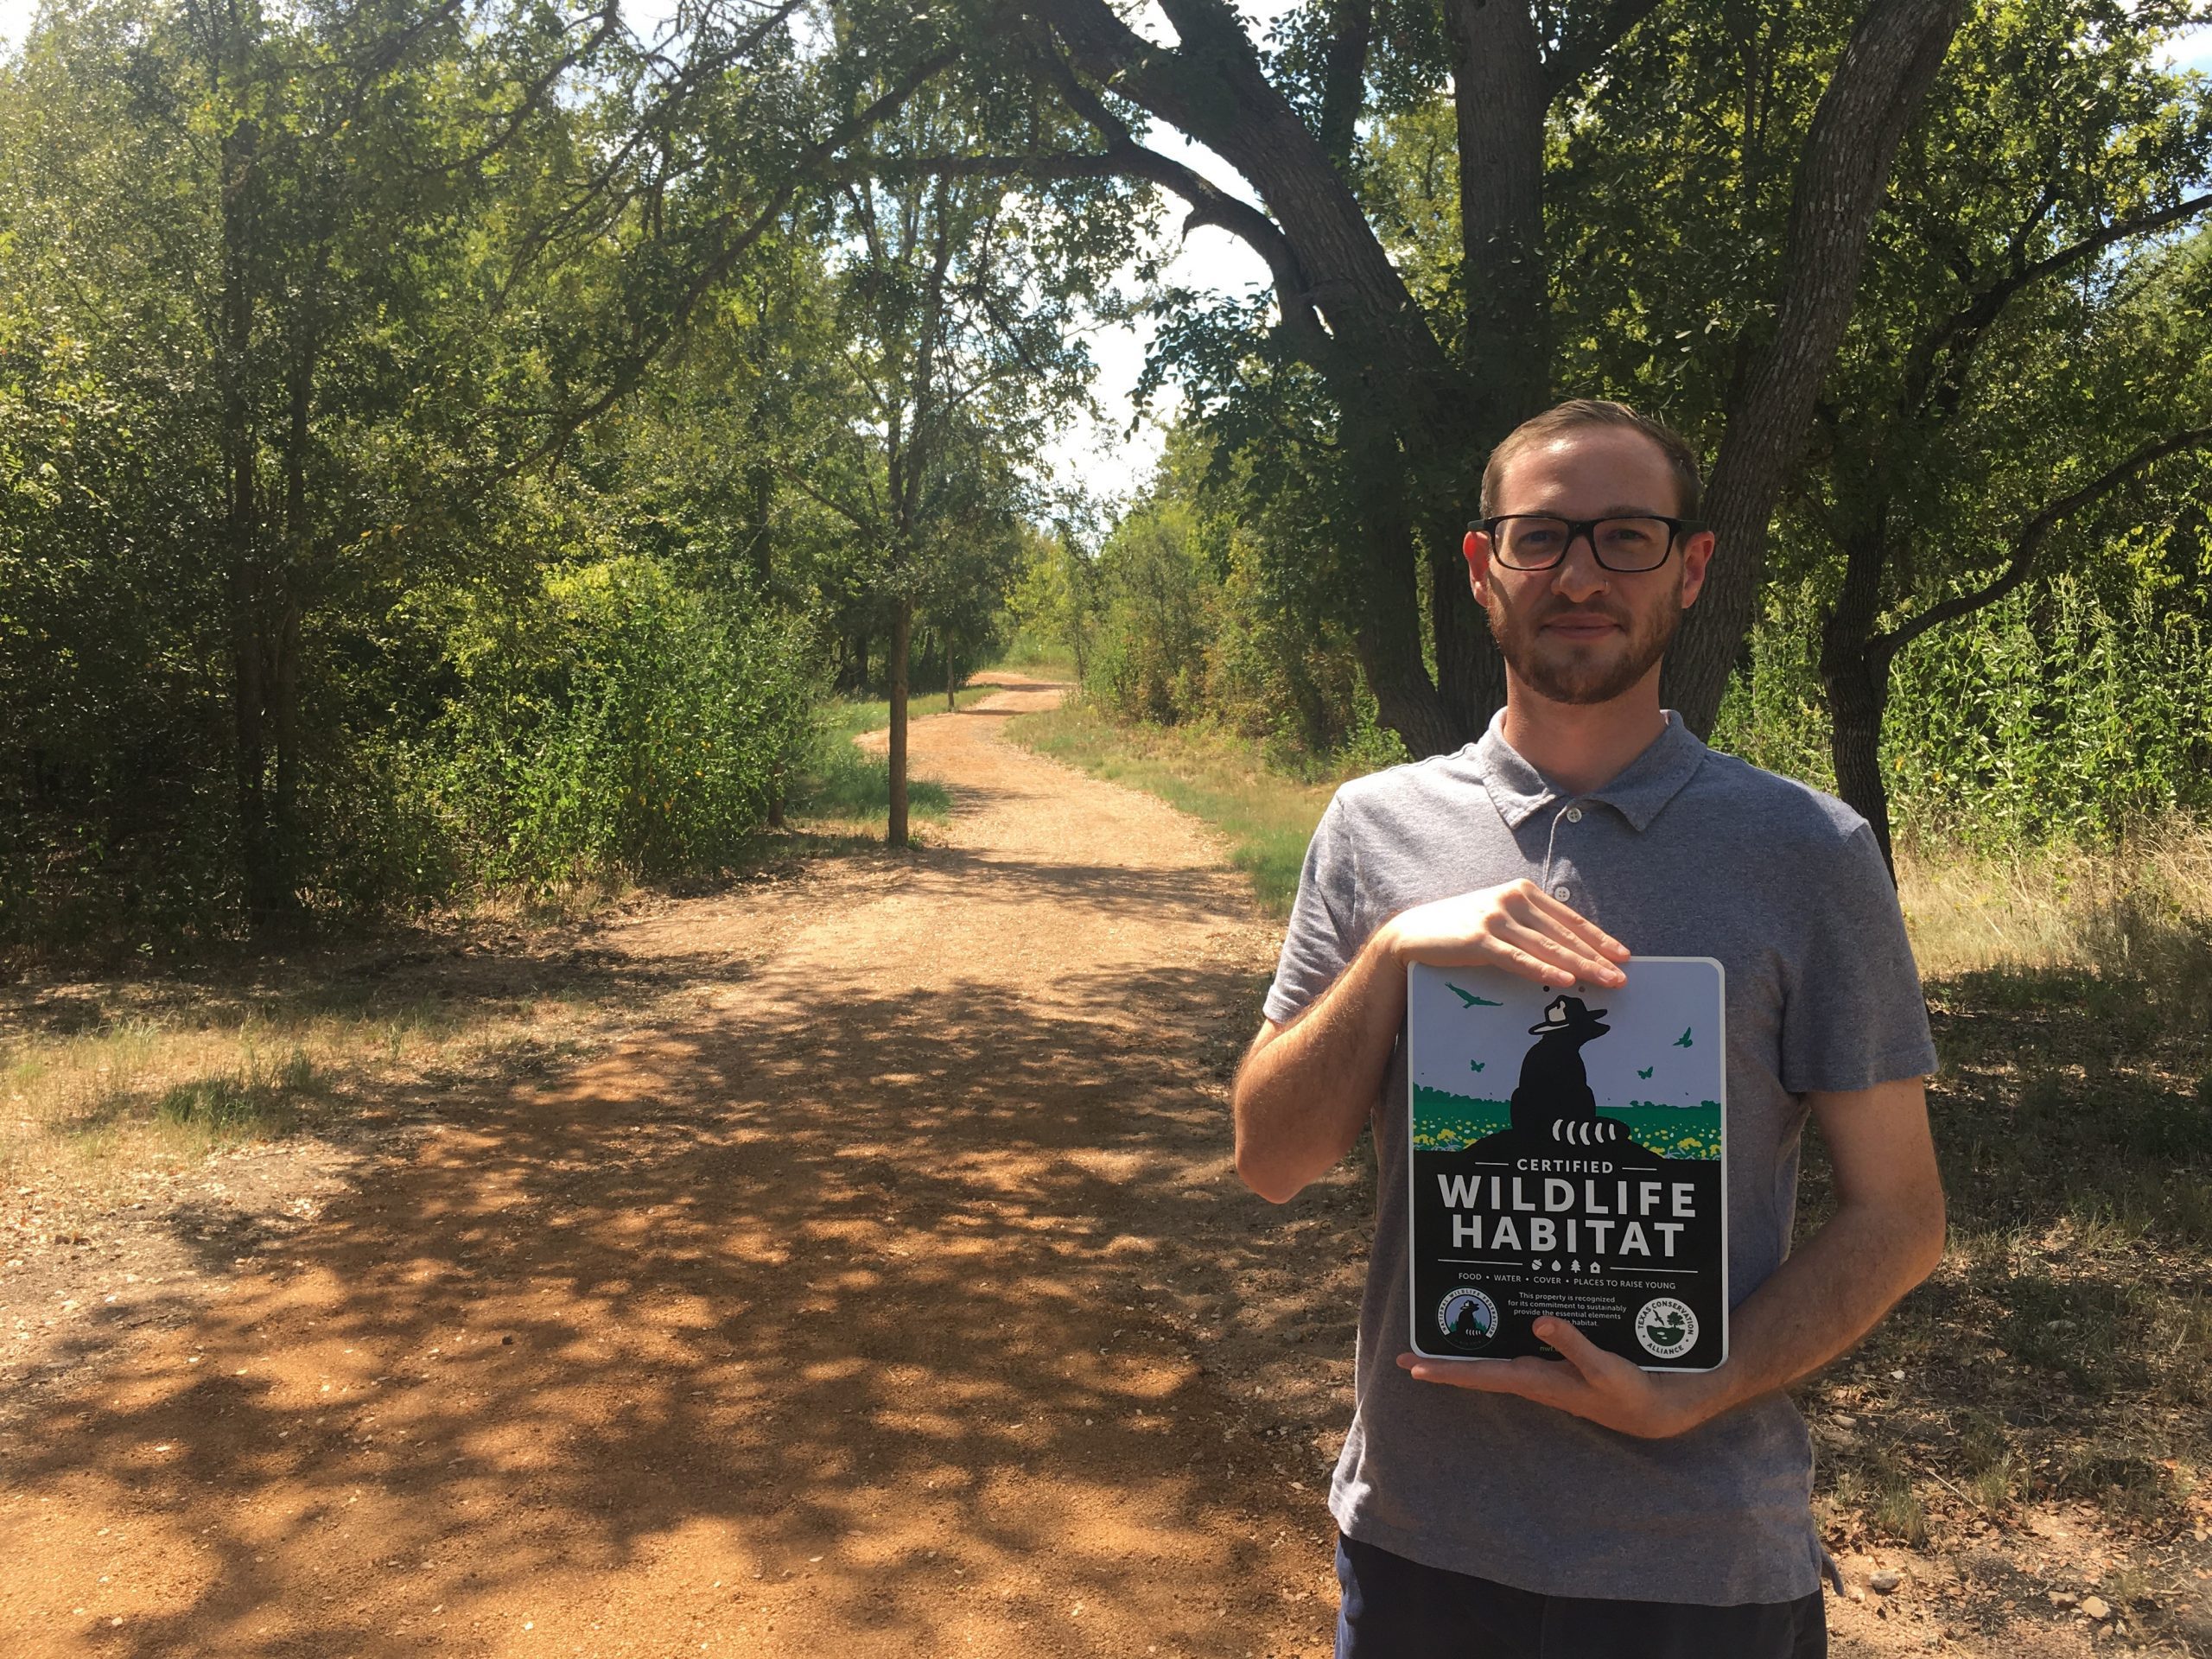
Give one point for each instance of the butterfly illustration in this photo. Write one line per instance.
(1646, 1071)
(1478, 1064)
(1469, 1000)
(1683, 1041)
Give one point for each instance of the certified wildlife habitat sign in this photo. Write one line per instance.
(1568, 1159)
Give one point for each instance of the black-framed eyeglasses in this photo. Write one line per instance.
(1536, 541)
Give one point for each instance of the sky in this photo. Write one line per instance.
(1102, 455)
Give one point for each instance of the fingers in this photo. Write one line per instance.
(1535, 957)
(1544, 1381)
(1519, 928)
(1564, 958)
(1585, 1380)
(1580, 925)
(1591, 1363)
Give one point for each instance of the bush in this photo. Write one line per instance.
(1201, 618)
(620, 721)
(2045, 717)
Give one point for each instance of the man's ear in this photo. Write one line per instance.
(1697, 553)
(1476, 548)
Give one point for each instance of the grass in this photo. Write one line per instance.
(2063, 1352)
(103, 1080)
(848, 787)
(1037, 665)
(851, 717)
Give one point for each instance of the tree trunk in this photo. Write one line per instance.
(1498, 74)
(902, 634)
(950, 680)
(1858, 687)
(285, 603)
(1877, 88)
(1385, 569)
(1855, 668)
(244, 579)
(1470, 673)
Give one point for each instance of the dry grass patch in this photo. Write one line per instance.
(2141, 911)
(2053, 1378)
(103, 1080)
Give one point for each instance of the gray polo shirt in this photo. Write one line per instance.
(1686, 852)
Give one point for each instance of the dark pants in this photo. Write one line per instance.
(1397, 1609)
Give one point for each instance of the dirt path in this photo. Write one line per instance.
(878, 1310)
(894, 1297)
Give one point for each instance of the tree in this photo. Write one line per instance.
(281, 207)
(959, 357)
(2030, 344)
(1416, 395)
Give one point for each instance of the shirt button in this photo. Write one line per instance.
(1561, 891)
(1575, 815)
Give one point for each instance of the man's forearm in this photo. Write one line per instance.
(1825, 1297)
(1304, 1087)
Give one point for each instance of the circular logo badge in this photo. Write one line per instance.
(1666, 1328)
(1468, 1317)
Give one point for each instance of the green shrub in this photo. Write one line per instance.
(2046, 716)
(620, 721)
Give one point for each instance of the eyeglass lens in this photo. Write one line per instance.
(1622, 545)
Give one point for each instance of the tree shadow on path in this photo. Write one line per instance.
(842, 1327)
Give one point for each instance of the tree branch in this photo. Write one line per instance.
(1878, 86)
(793, 475)
(1209, 203)
(811, 167)
(1214, 89)
(1344, 77)
(1583, 50)
(2032, 536)
(1965, 326)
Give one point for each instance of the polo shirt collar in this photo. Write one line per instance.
(1638, 791)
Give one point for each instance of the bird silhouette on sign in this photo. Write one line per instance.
(1478, 1064)
(1469, 1000)
(1646, 1071)
(1683, 1041)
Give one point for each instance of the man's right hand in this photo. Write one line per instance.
(1306, 1087)
(1519, 927)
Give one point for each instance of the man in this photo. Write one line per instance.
(1581, 1506)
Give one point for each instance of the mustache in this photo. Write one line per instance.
(1563, 607)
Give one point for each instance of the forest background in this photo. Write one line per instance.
(458, 450)
(453, 447)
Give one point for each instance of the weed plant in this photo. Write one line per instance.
(2050, 718)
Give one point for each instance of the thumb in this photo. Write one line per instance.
(1574, 1347)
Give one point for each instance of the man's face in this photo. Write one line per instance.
(1579, 632)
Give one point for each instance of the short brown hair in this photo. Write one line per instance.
(1579, 412)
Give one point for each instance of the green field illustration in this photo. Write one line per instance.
(1443, 1121)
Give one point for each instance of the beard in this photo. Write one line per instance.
(1562, 670)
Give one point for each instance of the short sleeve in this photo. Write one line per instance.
(1323, 936)
(1852, 1012)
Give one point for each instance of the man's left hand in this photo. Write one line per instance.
(1587, 1381)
